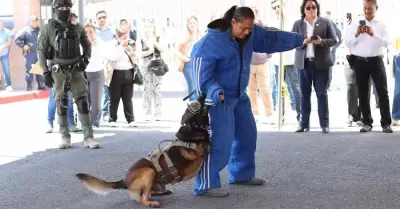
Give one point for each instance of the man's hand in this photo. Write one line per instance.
(318, 41)
(48, 79)
(26, 48)
(359, 30)
(368, 30)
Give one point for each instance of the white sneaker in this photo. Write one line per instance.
(112, 124)
(9, 89)
(132, 124)
(49, 128)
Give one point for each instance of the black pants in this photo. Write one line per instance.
(374, 68)
(353, 108)
(121, 87)
(319, 78)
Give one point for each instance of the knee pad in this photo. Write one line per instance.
(62, 106)
(83, 105)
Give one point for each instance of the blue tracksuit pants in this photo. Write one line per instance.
(233, 142)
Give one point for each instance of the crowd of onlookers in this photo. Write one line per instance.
(115, 53)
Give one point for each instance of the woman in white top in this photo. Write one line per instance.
(119, 77)
(95, 75)
(185, 49)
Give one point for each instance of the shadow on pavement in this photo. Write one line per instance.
(310, 170)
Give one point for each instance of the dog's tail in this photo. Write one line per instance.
(100, 186)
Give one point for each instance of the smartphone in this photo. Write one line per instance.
(362, 22)
(314, 38)
(348, 16)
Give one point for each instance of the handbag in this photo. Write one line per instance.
(157, 65)
(137, 75)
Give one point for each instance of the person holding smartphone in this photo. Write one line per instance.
(367, 40)
(314, 59)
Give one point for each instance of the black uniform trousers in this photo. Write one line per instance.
(367, 68)
(121, 87)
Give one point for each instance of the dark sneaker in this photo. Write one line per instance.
(366, 128)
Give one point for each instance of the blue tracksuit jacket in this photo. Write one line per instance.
(221, 66)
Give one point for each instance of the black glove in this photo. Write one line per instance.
(48, 79)
(82, 64)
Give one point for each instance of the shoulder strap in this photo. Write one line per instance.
(130, 59)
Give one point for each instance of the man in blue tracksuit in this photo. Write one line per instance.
(221, 61)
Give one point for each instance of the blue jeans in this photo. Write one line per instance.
(51, 109)
(5, 62)
(106, 101)
(396, 98)
(190, 79)
(293, 86)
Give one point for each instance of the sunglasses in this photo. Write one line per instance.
(276, 7)
(102, 17)
(309, 8)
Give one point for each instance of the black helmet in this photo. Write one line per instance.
(61, 3)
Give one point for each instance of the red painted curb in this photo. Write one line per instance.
(25, 96)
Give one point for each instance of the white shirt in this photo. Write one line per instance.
(310, 32)
(365, 45)
(288, 57)
(117, 53)
(96, 63)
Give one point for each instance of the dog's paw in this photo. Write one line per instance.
(154, 204)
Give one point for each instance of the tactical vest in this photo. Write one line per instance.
(67, 42)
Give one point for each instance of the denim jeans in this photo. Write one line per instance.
(51, 109)
(106, 101)
(396, 98)
(293, 86)
(5, 62)
(190, 80)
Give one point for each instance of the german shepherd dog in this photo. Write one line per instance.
(142, 180)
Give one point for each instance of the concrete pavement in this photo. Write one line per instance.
(343, 169)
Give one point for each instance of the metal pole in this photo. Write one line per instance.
(81, 10)
(280, 81)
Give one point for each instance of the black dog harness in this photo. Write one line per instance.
(154, 157)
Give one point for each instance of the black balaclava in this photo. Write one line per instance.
(63, 15)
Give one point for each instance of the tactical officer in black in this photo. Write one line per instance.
(59, 41)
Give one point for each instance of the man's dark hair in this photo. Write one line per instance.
(374, 2)
(101, 11)
(123, 20)
(239, 14)
(303, 6)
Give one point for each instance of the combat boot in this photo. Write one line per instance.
(91, 143)
(65, 143)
